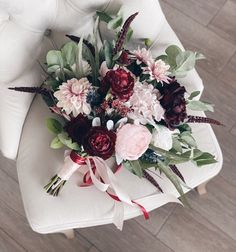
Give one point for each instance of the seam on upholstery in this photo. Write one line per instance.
(52, 25)
(106, 5)
(25, 26)
(74, 7)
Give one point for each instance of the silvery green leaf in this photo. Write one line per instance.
(200, 106)
(53, 68)
(115, 23)
(54, 125)
(67, 141)
(69, 52)
(187, 138)
(177, 145)
(204, 159)
(147, 42)
(56, 143)
(54, 58)
(193, 94)
(103, 16)
(129, 34)
(108, 53)
(136, 167)
(172, 52)
(185, 61)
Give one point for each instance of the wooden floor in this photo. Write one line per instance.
(208, 26)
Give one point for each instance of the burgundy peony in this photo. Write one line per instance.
(174, 103)
(100, 142)
(121, 83)
(78, 127)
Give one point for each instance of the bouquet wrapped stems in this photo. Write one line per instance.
(55, 185)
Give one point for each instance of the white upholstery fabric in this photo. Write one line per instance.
(22, 41)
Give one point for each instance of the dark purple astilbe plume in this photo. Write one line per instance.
(201, 119)
(34, 90)
(150, 178)
(123, 33)
(177, 172)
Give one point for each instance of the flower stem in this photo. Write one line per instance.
(150, 178)
(55, 185)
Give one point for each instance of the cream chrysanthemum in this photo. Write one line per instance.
(158, 70)
(72, 96)
(145, 104)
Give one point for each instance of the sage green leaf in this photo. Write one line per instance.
(129, 35)
(68, 52)
(147, 42)
(54, 58)
(185, 61)
(169, 154)
(108, 53)
(204, 159)
(54, 125)
(200, 106)
(184, 127)
(172, 52)
(103, 16)
(53, 69)
(79, 60)
(187, 138)
(115, 23)
(136, 167)
(194, 94)
(197, 153)
(56, 143)
(128, 166)
(187, 154)
(177, 145)
(175, 180)
(67, 141)
(117, 56)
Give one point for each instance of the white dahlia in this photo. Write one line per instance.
(72, 96)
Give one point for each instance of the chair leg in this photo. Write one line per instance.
(69, 233)
(201, 189)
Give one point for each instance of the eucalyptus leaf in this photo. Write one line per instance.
(199, 56)
(193, 94)
(177, 145)
(172, 52)
(68, 52)
(56, 143)
(204, 159)
(185, 61)
(54, 57)
(54, 125)
(200, 106)
(103, 16)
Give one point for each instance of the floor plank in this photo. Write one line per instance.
(218, 206)
(186, 230)
(133, 238)
(224, 23)
(16, 226)
(157, 219)
(7, 244)
(202, 11)
(9, 166)
(198, 37)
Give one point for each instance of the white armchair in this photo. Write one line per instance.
(25, 38)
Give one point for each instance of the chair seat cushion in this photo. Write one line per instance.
(76, 206)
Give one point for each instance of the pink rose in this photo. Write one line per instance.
(132, 141)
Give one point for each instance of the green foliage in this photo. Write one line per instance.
(108, 49)
(54, 125)
(188, 139)
(103, 16)
(180, 61)
(136, 168)
(193, 94)
(67, 141)
(200, 106)
(56, 143)
(113, 24)
(203, 158)
(69, 51)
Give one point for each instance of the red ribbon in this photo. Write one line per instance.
(88, 181)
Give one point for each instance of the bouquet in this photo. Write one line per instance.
(120, 106)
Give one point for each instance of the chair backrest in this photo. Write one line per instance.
(22, 42)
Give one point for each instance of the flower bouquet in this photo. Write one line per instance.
(112, 103)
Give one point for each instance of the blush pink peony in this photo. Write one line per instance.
(132, 141)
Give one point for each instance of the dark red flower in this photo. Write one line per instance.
(121, 83)
(174, 103)
(124, 58)
(100, 142)
(78, 127)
